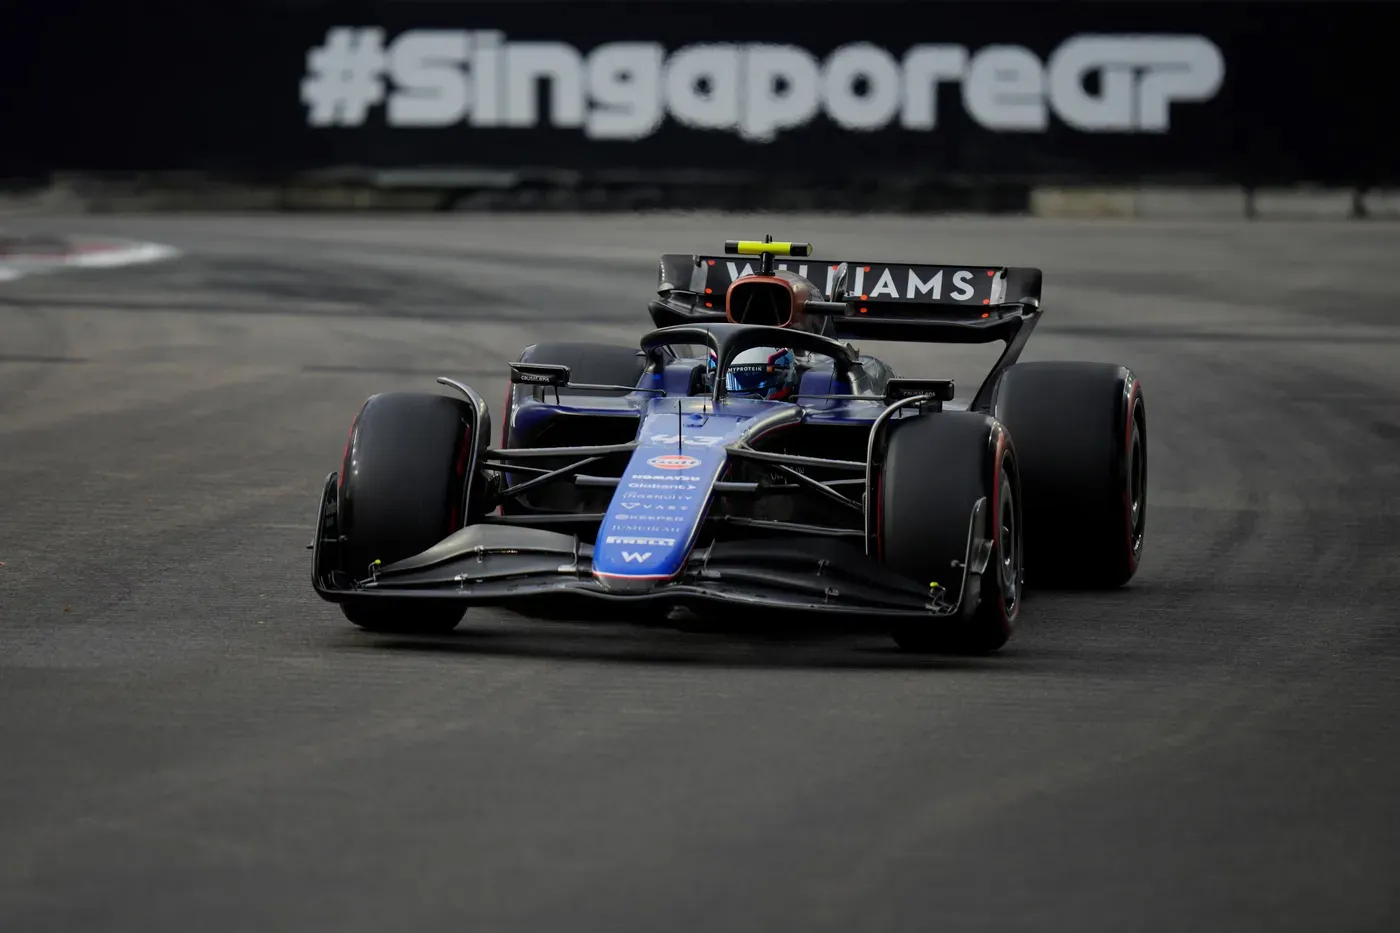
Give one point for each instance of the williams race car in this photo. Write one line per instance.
(745, 454)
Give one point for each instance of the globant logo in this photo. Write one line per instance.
(626, 90)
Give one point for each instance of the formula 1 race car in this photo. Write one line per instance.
(751, 457)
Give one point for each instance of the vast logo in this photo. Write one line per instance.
(626, 90)
(673, 462)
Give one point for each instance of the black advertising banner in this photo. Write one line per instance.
(1251, 92)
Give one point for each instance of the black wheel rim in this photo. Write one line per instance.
(1137, 492)
(1008, 547)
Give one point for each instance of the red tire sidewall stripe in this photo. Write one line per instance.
(458, 470)
(996, 524)
(349, 442)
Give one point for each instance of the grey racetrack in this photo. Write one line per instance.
(191, 740)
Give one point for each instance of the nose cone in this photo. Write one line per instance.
(645, 542)
(629, 585)
(654, 516)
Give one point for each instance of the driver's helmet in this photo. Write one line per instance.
(764, 372)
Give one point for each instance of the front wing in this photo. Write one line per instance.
(488, 564)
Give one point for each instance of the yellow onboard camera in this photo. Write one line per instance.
(759, 247)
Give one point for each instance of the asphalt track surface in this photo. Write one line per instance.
(189, 739)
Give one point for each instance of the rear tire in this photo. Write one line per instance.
(596, 363)
(935, 469)
(1081, 435)
(402, 487)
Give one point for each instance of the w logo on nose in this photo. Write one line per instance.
(632, 557)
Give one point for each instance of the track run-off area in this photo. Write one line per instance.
(189, 736)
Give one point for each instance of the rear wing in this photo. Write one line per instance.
(875, 300)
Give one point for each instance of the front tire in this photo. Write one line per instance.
(935, 469)
(403, 488)
(404, 616)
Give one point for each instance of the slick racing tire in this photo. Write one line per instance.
(404, 616)
(1081, 435)
(401, 491)
(598, 363)
(934, 471)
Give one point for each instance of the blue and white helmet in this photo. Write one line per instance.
(765, 372)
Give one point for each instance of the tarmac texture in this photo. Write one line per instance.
(190, 739)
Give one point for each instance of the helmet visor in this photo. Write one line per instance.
(751, 378)
(766, 378)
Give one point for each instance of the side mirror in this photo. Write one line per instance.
(841, 284)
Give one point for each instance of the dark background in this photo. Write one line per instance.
(167, 85)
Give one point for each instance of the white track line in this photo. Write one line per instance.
(91, 255)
